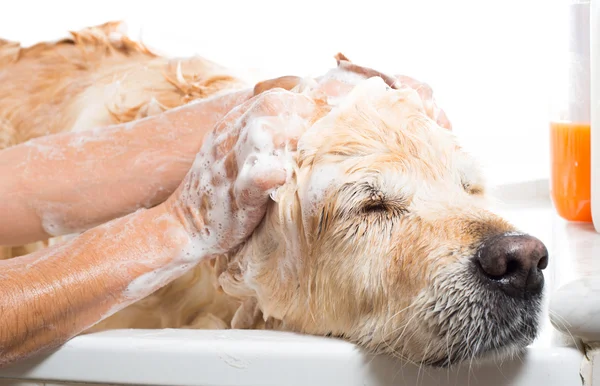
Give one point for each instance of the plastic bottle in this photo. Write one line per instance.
(570, 134)
(595, 112)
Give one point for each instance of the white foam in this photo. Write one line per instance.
(322, 180)
(344, 76)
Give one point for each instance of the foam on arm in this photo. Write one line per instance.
(70, 182)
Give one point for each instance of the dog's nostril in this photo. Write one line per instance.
(513, 262)
(543, 263)
(511, 267)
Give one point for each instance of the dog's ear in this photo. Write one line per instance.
(285, 82)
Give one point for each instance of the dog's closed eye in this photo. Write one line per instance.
(378, 202)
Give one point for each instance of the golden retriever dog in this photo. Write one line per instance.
(382, 238)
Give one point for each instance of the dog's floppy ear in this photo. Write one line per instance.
(285, 82)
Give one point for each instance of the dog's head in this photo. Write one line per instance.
(383, 238)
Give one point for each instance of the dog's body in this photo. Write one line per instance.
(378, 229)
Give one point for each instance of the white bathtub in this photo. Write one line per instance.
(264, 358)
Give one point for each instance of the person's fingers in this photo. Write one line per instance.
(231, 120)
(272, 107)
(442, 120)
(268, 179)
(284, 82)
(267, 176)
(260, 176)
(426, 93)
(250, 194)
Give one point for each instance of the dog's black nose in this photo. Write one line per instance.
(514, 263)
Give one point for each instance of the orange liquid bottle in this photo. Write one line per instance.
(570, 144)
(570, 167)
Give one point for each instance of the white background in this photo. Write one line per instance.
(492, 64)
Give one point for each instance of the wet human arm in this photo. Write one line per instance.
(50, 296)
(70, 182)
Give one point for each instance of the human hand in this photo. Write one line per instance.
(335, 84)
(247, 156)
(432, 109)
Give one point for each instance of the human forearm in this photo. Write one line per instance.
(70, 182)
(54, 294)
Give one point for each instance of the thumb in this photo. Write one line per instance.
(260, 176)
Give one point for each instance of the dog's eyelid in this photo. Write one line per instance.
(378, 201)
(368, 197)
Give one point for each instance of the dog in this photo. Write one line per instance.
(383, 236)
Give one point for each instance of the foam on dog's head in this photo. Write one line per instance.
(379, 219)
